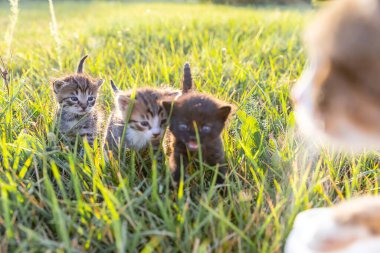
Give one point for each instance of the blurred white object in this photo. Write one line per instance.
(352, 227)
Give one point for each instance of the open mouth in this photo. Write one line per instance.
(192, 145)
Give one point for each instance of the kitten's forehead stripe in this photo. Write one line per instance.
(150, 112)
(141, 95)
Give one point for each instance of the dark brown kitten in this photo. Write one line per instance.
(195, 112)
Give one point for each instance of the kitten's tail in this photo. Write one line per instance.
(80, 65)
(187, 81)
(114, 88)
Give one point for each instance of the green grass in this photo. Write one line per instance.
(52, 200)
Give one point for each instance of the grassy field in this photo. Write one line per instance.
(52, 200)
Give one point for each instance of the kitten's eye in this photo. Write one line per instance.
(144, 123)
(90, 99)
(183, 127)
(163, 122)
(75, 99)
(206, 129)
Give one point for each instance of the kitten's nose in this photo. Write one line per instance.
(83, 107)
(155, 135)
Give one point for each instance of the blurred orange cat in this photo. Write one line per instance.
(339, 94)
(338, 97)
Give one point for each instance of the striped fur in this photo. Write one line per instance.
(77, 114)
(146, 123)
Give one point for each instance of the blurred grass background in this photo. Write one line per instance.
(51, 200)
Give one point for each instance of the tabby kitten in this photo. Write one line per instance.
(147, 120)
(196, 112)
(76, 95)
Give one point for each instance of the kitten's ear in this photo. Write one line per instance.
(99, 82)
(57, 85)
(123, 101)
(224, 111)
(171, 94)
(114, 87)
(168, 105)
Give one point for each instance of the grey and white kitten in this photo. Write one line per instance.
(76, 95)
(140, 118)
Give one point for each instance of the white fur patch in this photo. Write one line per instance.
(137, 139)
(141, 139)
(370, 245)
(305, 109)
(368, 7)
(316, 230)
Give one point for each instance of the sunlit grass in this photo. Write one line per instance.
(50, 199)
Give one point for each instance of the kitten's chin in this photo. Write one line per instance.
(82, 113)
(192, 145)
(156, 139)
(137, 139)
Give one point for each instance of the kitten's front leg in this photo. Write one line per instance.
(222, 168)
(90, 137)
(222, 173)
(176, 159)
(88, 134)
(216, 157)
